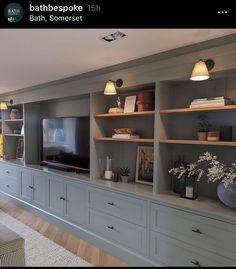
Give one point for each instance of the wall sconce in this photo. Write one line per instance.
(3, 104)
(201, 70)
(110, 88)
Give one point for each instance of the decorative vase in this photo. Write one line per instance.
(14, 114)
(124, 178)
(227, 195)
(202, 136)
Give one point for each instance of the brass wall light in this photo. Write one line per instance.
(201, 70)
(110, 88)
(3, 104)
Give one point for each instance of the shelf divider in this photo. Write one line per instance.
(198, 142)
(130, 114)
(137, 140)
(189, 110)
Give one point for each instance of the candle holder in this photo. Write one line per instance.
(190, 190)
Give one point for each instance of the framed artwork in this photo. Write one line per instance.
(129, 103)
(20, 149)
(144, 165)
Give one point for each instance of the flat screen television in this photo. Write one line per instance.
(65, 142)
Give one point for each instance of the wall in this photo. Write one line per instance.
(78, 106)
(169, 65)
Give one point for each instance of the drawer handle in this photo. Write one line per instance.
(110, 227)
(197, 263)
(8, 186)
(111, 203)
(8, 172)
(63, 198)
(31, 187)
(196, 231)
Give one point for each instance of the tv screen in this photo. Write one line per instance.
(66, 142)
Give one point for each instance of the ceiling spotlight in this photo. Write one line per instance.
(114, 36)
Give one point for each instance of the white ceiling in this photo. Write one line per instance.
(33, 56)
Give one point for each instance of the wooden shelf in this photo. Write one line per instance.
(188, 110)
(15, 120)
(138, 140)
(18, 135)
(198, 142)
(130, 114)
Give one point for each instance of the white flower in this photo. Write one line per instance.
(216, 170)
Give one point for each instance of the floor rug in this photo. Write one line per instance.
(39, 250)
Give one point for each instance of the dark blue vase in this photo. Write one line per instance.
(227, 195)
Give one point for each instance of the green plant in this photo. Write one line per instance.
(204, 124)
(124, 171)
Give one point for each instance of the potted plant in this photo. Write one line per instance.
(204, 127)
(124, 174)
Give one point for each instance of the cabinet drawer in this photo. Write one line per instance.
(127, 208)
(10, 185)
(9, 170)
(171, 252)
(197, 230)
(123, 232)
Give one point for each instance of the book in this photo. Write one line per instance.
(125, 136)
(210, 98)
(225, 101)
(207, 105)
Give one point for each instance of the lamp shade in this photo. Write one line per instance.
(110, 88)
(200, 71)
(3, 105)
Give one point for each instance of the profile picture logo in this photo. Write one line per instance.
(14, 12)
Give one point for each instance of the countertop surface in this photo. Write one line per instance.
(202, 205)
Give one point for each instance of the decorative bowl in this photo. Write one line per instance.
(125, 131)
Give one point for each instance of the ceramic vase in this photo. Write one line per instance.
(227, 195)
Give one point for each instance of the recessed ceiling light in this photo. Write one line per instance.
(113, 36)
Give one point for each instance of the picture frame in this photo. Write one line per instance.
(144, 165)
(129, 103)
(20, 149)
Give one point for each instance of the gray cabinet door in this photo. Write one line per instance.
(41, 185)
(56, 195)
(26, 186)
(76, 206)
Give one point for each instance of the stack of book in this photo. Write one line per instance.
(125, 136)
(211, 102)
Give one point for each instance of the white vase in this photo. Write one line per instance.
(202, 136)
(227, 195)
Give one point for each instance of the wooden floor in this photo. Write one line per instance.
(71, 242)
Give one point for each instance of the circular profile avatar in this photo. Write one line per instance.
(14, 12)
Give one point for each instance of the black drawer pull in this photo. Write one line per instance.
(110, 227)
(8, 172)
(62, 198)
(196, 231)
(111, 203)
(8, 186)
(31, 187)
(197, 263)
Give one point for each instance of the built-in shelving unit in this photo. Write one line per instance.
(137, 140)
(131, 114)
(200, 109)
(123, 152)
(177, 126)
(12, 130)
